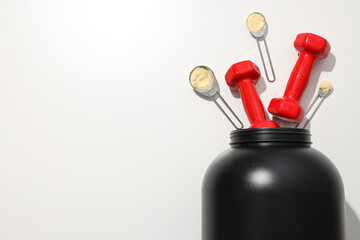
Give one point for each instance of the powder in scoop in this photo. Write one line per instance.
(202, 78)
(326, 86)
(256, 22)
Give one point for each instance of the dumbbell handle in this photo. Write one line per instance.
(251, 101)
(300, 75)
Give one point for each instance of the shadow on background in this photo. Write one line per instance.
(352, 223)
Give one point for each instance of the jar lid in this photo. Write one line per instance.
(270, 135)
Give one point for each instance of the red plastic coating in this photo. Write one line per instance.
(310, 47)
(244, 75)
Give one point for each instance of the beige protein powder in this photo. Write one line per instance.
(326, 86)
(202, 78)
(256, 22)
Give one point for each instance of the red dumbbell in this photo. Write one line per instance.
(310, 47)
(243, 76)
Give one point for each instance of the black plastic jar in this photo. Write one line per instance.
(271, 185)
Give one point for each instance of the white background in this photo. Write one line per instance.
(101, 135)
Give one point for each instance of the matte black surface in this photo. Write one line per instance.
(271, 185)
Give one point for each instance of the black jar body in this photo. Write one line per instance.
(271, 185)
